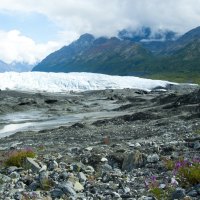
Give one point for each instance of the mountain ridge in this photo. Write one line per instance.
(104, 54)
(15, 66)
(117, 56)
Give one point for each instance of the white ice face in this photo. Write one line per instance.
(65, 82)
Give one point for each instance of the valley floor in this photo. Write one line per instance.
(118, 142)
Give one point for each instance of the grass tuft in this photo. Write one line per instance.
(16, 157)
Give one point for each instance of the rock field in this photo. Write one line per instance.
(116, 150)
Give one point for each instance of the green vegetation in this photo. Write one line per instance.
(186, 174)
(41, 147)
(178, 61)
(16, 157)
(46, 184)
(161, 194)
(158, 192)
(177, 77)
(197, 132)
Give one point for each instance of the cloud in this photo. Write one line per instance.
(17, 47)
(103, 17)
(99, 17)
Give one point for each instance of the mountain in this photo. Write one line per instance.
(185, 59)
(15, 66)
(182, 41)
(21, 67)
(101, 55)
(169, 59)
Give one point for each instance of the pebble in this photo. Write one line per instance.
(197, 145)
(153, 158)
(68, 189)
(82, 177)
(78, 187)
(178, 194)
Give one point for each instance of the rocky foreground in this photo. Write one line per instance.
(122, 154)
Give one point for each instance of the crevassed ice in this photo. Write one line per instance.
(65, 82)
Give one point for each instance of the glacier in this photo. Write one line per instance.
(66, 82)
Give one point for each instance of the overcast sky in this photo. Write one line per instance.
(31, 29)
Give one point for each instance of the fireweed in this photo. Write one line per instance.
(187, 172)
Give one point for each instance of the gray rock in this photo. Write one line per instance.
(197, 188)
(192, 193)
(52, 165)
(162, 186)
(116, 195)
(104, 160)
(43, 179)
(117, 172)
(153, 158)
(106, 168)
(20, 185)
(105, 177)
(74, 150)
(8, 198)
(78, 186)
(127, 189)
(137, 145)
(68, 189)
(29, 163)
(34, 186)
(4, 178)
(146, 198)
(133, 160)
(197, 145)
(18, 196)
(82, 177)
(178, 194)
(64, 176)
(12, 169)
(57, 193)
(89, 170)
(76, 167)
(14, 175)
(63, 165)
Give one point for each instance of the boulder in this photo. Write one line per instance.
(133, 160)
(29, 163)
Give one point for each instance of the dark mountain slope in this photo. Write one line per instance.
(102, 55)
(173, 60)
(182, 41)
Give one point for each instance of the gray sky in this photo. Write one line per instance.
(31, 29)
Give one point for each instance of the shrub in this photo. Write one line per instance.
(16, 157)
